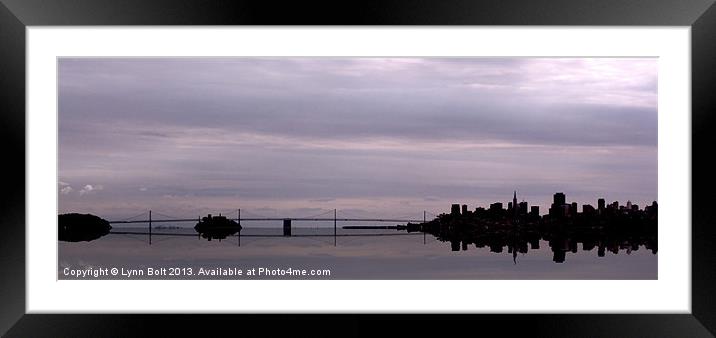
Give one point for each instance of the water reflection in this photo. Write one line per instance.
(496, 239)
(360, 254)
(522, 240)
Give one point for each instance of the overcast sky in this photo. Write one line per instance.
(368, 136)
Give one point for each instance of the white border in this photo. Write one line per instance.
(670, 293)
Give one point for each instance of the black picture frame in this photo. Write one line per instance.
(16, 15)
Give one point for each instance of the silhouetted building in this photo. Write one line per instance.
(464, 209)
(600, 205)
(509, 207)
(588, 210)
(496, 206)
(534, 210)
(514, 203)
(554, 210)
(573, 209)
(558, 205)
(455, 209)
(522, 210)
(560, 199)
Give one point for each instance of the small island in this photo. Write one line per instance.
(76, 227)
(217, 227)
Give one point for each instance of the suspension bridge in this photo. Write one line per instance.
(253, 217)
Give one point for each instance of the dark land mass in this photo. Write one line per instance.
(81, 227)
(217, 227)
(607, 228)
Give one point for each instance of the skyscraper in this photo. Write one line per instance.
(560, 199)
(558, 205)
(588, 209)
(522, 210)
(534, 210)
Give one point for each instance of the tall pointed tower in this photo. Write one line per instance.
(514, 204)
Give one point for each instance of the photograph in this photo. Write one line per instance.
(357, 168)
(345, 168)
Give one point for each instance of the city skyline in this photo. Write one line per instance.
(370, 135)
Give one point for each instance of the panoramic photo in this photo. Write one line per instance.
(368, 168)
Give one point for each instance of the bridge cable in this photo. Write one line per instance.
(135, 216)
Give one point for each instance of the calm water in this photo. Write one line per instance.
(384, 254)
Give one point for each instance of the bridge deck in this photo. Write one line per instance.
(266, 235)
(279, 219)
